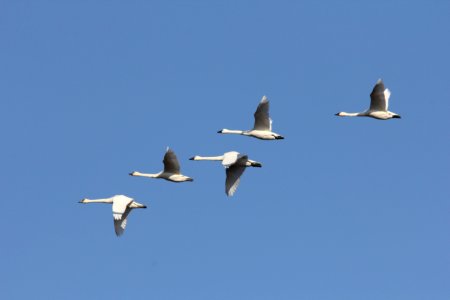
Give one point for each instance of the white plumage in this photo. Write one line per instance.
(121, 207)
(379, 105)
(235, 164)
(262, 128)
(171, 170)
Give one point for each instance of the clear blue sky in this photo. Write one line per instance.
(346, 209)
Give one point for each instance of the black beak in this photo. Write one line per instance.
(190, 179)
(131, 174)
(279, 137)
(396, 117)
(257, 165)
(220, 131)
(145, 206)
(192, 158)
(336, 114)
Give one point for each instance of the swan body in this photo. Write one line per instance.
(171, 170)
(121, 207)
(379, 103)
(262, 128)
(235, 164)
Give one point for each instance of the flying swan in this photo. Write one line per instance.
(262, 128)
(379, 102)
(121, 207)
(171, 170)
(235, 164)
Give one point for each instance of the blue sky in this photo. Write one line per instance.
(350, 208)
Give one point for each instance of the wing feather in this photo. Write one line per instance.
(171, 164)
(120, 204)
(387, 94)
(377, 97)
(230, 158)
(262, 118)
(120, 224)
(234, 173)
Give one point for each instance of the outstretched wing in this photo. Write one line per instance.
(121, 210)
(230, 158)
(378, 99)
(120, 204)
(120, 224)
(262, 118)
(234, 173)
(171, 164)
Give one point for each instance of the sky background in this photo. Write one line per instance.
(343, 208)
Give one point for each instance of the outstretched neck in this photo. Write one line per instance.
(229, 131)
(207, 158)
(145, 174)
(105, 200)
(346, 114)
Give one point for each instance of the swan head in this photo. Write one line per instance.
(339, 114)
(193, 158)
(256, 164)
(82, 200)
(221, 131)
(133, 173)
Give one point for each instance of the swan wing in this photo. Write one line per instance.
(378, 101)
(387, 94)
(171, 164)
(230, 158)
(135, 204)
(120, 205)
(234, 174)
(120, 224)
(262, 118)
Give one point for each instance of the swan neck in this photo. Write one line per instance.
(209, 158)
(149, 175)
(105, 200)
(346, 114)
(229, 131)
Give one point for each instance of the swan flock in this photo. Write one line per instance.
(234, 162)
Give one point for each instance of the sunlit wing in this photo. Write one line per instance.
(120, 224)
(230, 158)
(120, 205)
(234, 174)
(387, 94)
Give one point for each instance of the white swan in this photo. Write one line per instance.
(171, 170)
(262, 128)
(379, 102)
(121, 207)
(235, 165)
